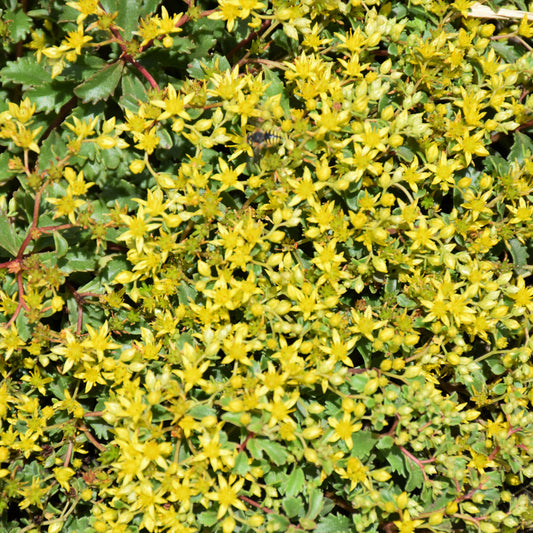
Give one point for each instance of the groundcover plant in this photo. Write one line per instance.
(265, 266)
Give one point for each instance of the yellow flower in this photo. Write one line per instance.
(327, 259)
(76, 39)
(138, 229)
(63, 475)
(477, 204)
(470, 145)
(344, 429)
(339, 349)
(406, 525)
(364, 324)
(280, 408)
(10, 340)
(229, 10)
(227, 494)
(522, 213)
(444, 172)
(213, 452)
(355, 472)
(173, 104)
(422, 235)
(72, 350)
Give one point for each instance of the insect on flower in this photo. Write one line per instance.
(259, 140)
(262, 138)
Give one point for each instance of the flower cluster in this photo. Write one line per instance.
(310, 305)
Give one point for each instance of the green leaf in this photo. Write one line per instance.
(363, 442)
(277, 87)
(278, 522)
(293, 506)
(522, 148)
(316, 502)
(52, 149)
(396, 459)
(19, 24)
(500, 388)
(405, 153)
(295, 482)
(201, 411)
(277, 453)
(404, 301)
(241, 466)
(307, 523)
(518, 252)
(384, 443)
(334, 524)
(61, 244)
(101, 85)
(11, 240)
(186, 293)
(133, 92)
(128, 14)
(255, 449)
(495, 366)
(26, 71)
(506, 51)
(77, 260)
(208, 518)
(416, 477)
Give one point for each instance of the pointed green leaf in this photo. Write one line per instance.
(100, 85)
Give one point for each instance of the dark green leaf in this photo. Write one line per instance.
(77, 260)
(133, 91)
(128, 14)
(396, 459)
(101, 85)
(255, 450)
(25, 70)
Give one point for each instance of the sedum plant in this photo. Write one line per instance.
(265, 267)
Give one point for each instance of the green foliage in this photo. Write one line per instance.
(265, 267)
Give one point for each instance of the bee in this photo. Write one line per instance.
(259, 140)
